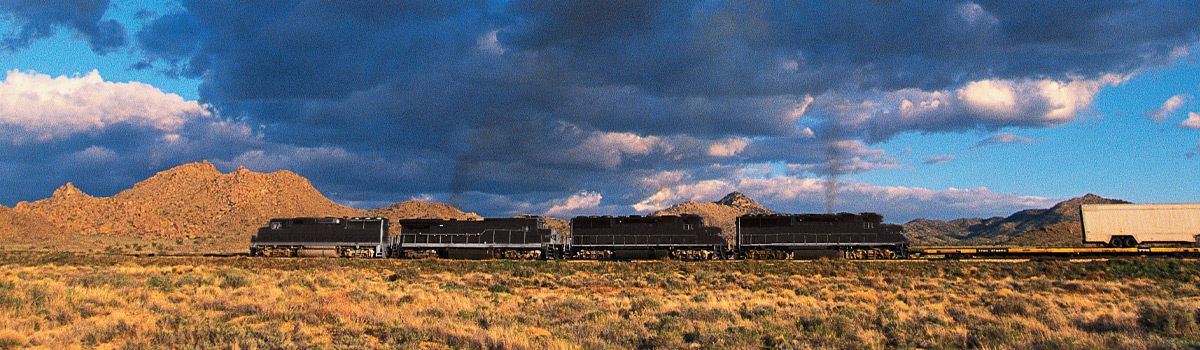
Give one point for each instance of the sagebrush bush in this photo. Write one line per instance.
(1170, 318)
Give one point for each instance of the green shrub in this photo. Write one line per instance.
(499, 288)
(234, 279)
(160, 283)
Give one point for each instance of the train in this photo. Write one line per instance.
(1108, 230)
(681, 237)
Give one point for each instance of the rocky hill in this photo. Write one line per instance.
(561, 225)
(191, 201)
(24, 226)
(721, 213)
(421, 210)
(1056, 226)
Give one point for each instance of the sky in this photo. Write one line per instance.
(912, 109)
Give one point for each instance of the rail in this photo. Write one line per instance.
(1000, 251)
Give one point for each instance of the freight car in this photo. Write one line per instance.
(797, 236)
(505, 238)
(328, 236)
(683, 237)
(1131, 225)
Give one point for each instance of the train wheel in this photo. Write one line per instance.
(1123, 242)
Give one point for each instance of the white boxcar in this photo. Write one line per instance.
(1127, 225)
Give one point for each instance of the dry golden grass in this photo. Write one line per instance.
(64, 301)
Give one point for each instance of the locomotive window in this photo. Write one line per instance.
(275, 225)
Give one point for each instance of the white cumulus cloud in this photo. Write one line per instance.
(729, 147)
(695, 191)
(982, 104)
(44, 108)
(800, 194)
(580, 201)
(1192, 121)
(1168, 107)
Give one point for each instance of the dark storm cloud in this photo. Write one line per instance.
(314, 49)
(537, 98)
(176, 40)
(707, 48)
(38, 19)
(105, 161)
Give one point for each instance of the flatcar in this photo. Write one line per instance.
(797, 236)
(684, 237)
(327, 236)
(507, 238)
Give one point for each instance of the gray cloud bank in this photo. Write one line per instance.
(582, 107)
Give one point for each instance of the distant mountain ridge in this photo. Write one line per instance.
(1057, 226)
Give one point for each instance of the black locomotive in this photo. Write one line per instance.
(344, 237)
(507, 238)
(645, 237)
(784, 236)
(685, 237)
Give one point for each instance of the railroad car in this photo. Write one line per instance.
(507, 238)
(683, 237)
(327, 236)
(795, 236)
(1131, 225)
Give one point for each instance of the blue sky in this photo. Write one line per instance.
(955, 109)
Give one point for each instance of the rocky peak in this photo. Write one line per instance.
(414, 209)
(739, 200)
(202, 167)
(1069, 209)
(68, 191)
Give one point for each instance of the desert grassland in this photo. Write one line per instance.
(112, 244)
(72, 300)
